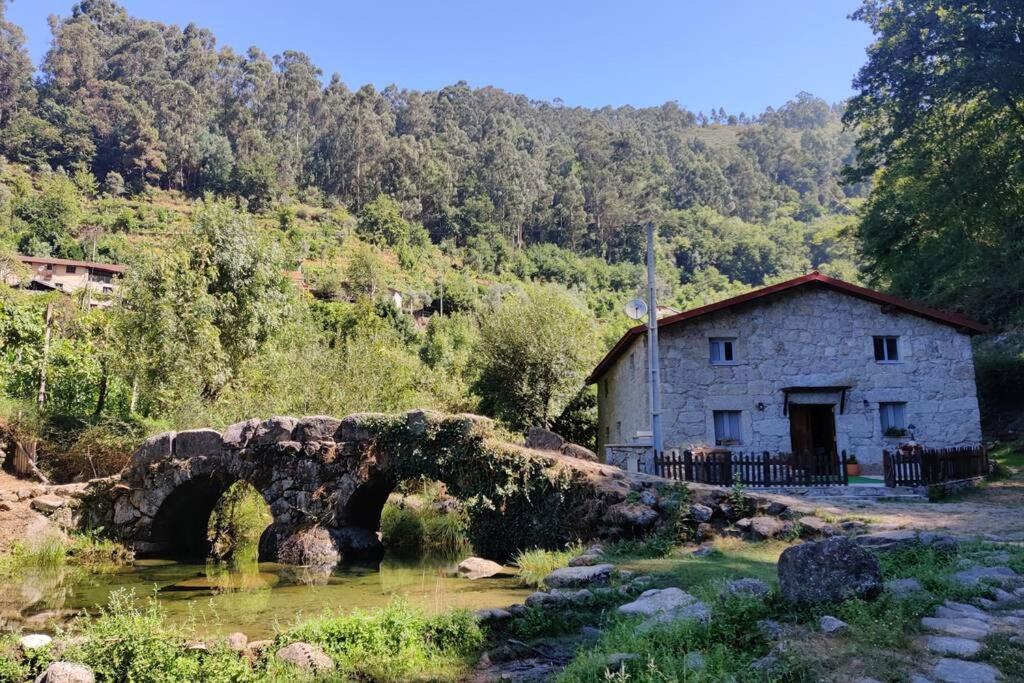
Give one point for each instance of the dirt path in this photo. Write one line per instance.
(994, 512)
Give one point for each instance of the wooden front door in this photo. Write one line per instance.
(812, 430)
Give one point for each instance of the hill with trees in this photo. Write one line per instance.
(212, 174)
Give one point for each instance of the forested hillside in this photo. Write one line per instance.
(210, 173)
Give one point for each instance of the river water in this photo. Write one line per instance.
(254, 600)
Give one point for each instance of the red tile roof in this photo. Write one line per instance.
(42, 260)
(814, 279)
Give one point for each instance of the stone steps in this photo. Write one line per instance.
(849, 493)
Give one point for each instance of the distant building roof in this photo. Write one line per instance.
(814, 279)
(42, 260)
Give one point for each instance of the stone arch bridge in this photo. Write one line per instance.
(326, 480)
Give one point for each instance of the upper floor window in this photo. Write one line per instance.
(69, 269)
(894, 418)
(887, 349)
(727, 428)
(722, 351)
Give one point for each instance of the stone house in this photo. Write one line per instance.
(811, 365)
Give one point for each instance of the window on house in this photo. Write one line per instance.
(632, 365)
(722, 351)
(727, 427)
(108, 290)
(887, 349)
(69, 269)
(49, 266)
(894, 418)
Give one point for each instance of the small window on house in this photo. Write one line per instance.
(722, 351)
(887, 349)
(69, 269)
(894, 418)
(632, 365)
(727, 428)
(49, 266)
(108, 290)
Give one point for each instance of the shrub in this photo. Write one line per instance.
(393, 644)
(536, 564)
(126, 643)
(401, 529)
(237, 523)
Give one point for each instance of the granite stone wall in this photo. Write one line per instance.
(808, 337)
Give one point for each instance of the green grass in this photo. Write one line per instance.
(535, 564)
(732, 558)
(397, 643)
(877, 643)
(1009, 455)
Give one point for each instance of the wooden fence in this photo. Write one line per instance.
(927, 466)
(754, 469)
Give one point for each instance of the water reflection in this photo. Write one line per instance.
(253, 597)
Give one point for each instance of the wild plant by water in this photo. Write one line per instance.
(536, 564)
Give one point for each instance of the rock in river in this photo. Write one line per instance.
(580, 577)
(479, 568)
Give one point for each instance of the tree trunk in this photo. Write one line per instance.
(41, 397)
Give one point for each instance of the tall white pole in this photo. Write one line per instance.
(654, 386)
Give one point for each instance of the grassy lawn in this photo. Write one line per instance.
(1009, 455)
(733, 558)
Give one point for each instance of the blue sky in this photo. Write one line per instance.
(740, 54)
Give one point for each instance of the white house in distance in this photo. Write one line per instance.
(64, 275)
(810, 365)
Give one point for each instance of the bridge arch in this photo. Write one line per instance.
(327, 479)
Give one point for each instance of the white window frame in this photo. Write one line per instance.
(890, 415)
(722, 344)
(728, 425)
(886, 356)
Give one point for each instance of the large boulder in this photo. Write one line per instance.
(544, 440)
(768, 527)
(666, 604)
(309, 546)
(478, 568)
(631, 515)
(66, 672)
(309, 658)
(580, 577)
(48, 503)
(574, 450)
(828, 571)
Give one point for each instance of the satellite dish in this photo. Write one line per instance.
(636, 309)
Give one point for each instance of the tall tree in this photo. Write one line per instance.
(16, 90)
(940, 127)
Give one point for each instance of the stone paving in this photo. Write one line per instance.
(956, 631)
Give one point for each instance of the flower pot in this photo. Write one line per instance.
(852, 470)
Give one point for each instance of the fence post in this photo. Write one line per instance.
(688, 465)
